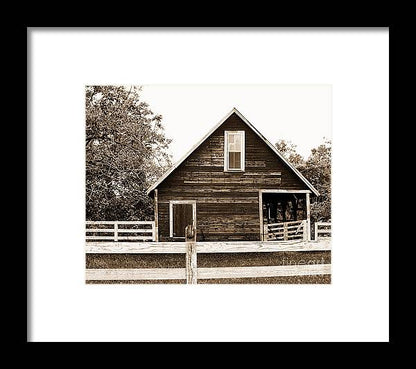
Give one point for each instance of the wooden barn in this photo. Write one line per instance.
(233, 185)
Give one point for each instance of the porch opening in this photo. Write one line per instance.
(284, 216)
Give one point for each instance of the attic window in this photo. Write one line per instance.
(234, 151)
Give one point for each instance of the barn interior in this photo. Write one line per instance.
(278, 207)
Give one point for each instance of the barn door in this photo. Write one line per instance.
(183, 214)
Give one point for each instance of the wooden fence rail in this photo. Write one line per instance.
(286, 231)
(192, 273)
(119, 231)
(322, 233)
(207, 273)
(205, 247)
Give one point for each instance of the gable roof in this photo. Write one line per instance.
(274, 149)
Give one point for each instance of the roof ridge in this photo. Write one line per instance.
(245, 120)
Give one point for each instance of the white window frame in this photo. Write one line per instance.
(171, 203)
(243, 152)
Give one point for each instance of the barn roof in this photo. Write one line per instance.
(274, 149)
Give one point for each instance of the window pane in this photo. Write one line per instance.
(237, 141)
(234, 160)
(234, 142)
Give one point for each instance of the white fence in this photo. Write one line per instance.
(115, 231)
(295, 230)
(104, 238)
(207, 273)
(192, 273)
(323, 230)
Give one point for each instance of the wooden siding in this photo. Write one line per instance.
(227, 203)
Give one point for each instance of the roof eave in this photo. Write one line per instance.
(234, 110)
(277, 152)
(190, 151)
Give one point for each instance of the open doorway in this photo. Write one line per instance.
(279, 207)
(284, 215)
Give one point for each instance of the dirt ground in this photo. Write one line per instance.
(305, 279)
(115, 261)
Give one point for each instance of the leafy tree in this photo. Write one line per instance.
(288, 149)
(126, 150)
(317, 169)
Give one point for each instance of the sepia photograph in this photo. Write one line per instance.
(218, 184)
(203, 184)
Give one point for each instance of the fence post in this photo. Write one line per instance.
(308, 216)
(285, 231)
(265, 233)
(316, 231)
(156, 222)
(153, 232)
(115, 232)
(305, 230)
(191, 256)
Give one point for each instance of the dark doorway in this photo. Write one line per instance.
(279, 207)
(182, 216)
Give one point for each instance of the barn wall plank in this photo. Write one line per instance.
(227, 204)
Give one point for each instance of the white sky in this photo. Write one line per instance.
(299, 113)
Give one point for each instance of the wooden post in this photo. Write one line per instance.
(115, 232)
(191, 257)
(265, 233)
(316, 231)
(284, 206)
(261, 215)
(305, 230)
(295, 207)
(285, 231)
(153, 231)
(156, 207)
(308, 216)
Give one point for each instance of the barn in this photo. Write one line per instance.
(233, 185)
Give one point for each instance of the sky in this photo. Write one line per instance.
(298, 113)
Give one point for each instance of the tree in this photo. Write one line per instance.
(126, 150)
(288, 150)
(317, 170)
